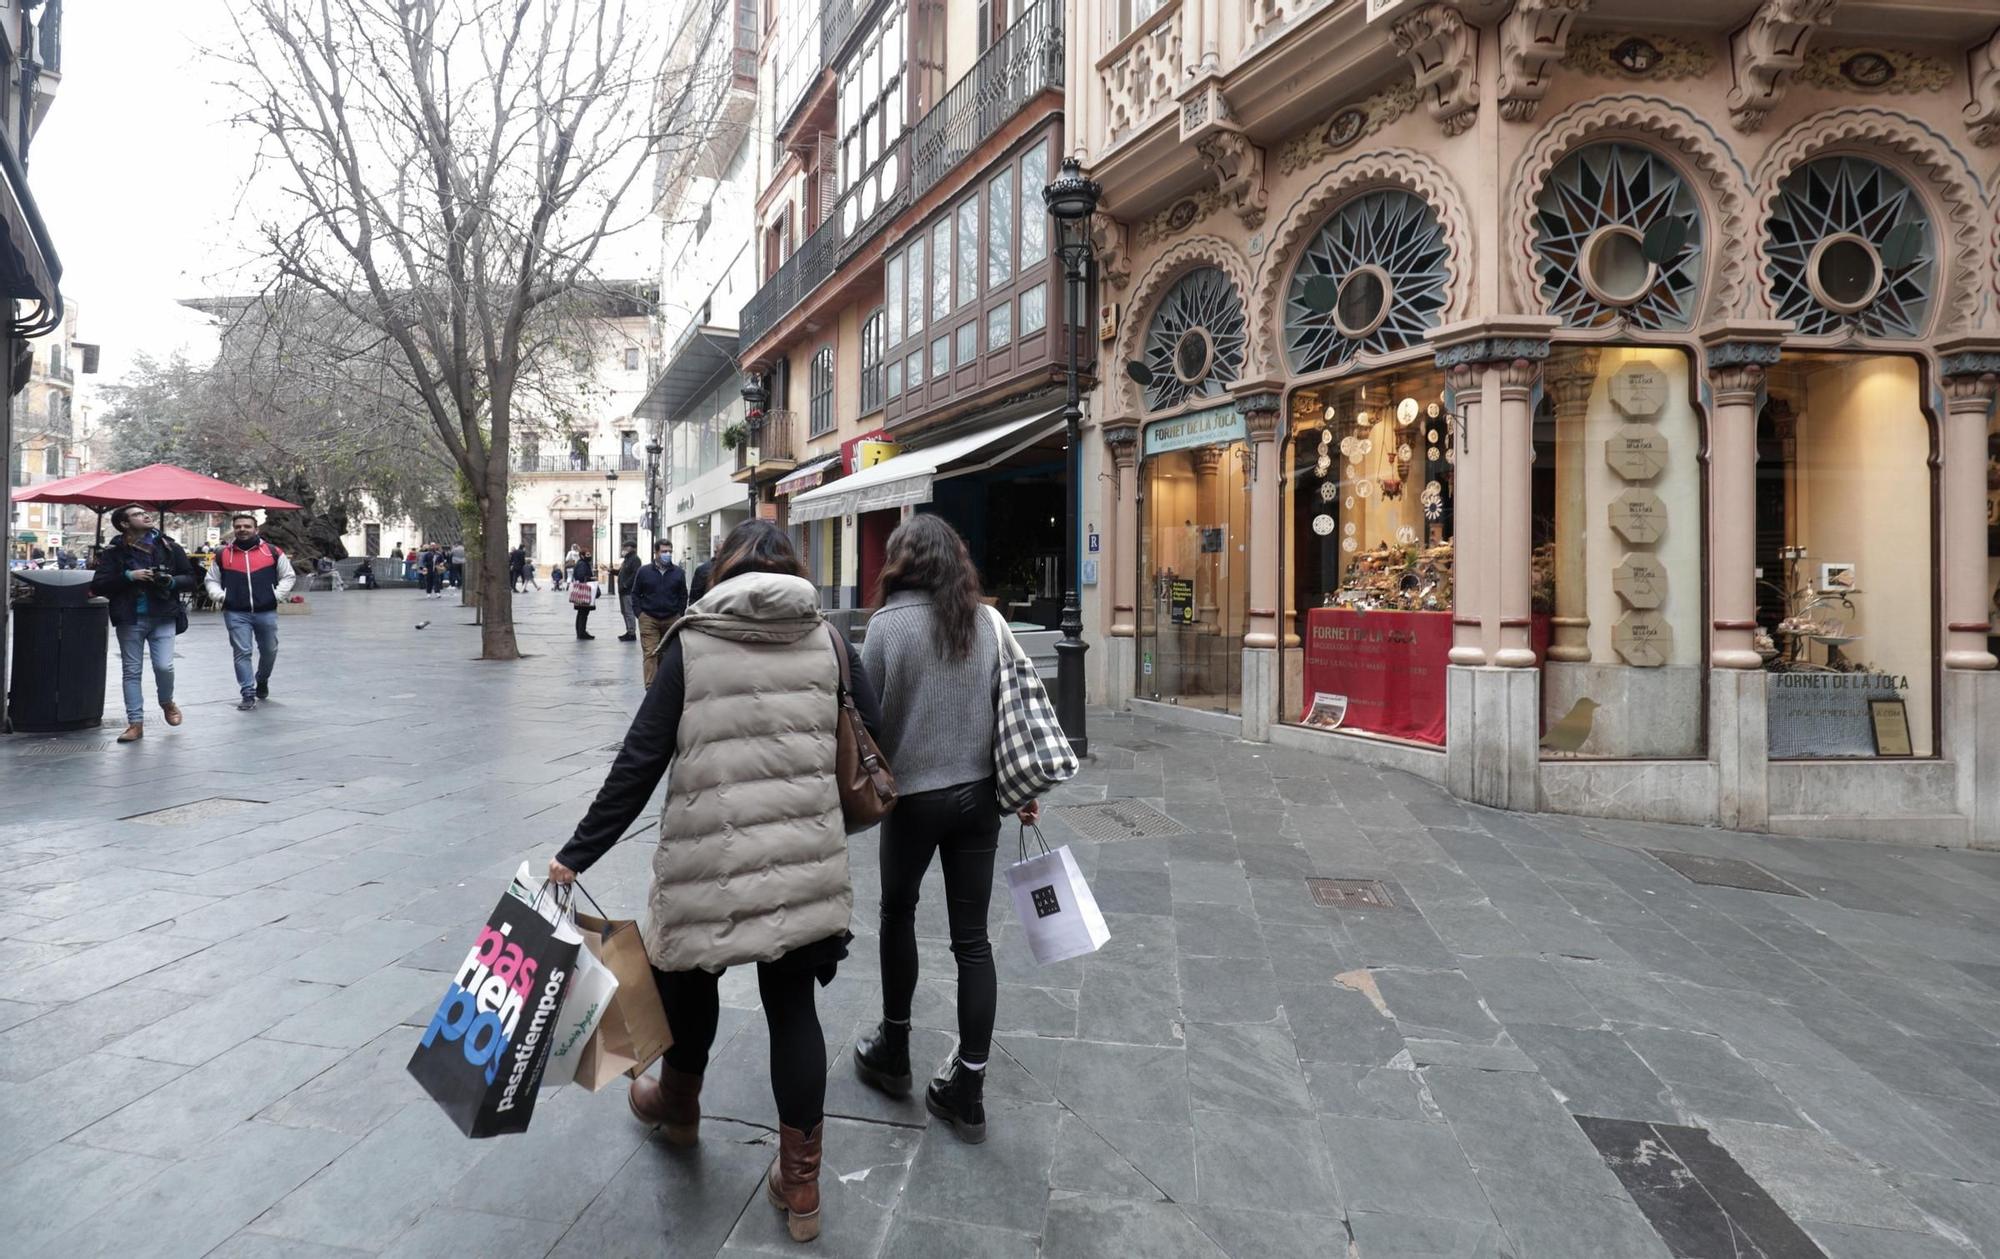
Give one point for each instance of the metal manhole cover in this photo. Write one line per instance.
(193, 811)
(1351, 894)
(1118, 819)
(1724, 872)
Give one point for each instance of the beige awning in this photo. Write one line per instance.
(908, 477)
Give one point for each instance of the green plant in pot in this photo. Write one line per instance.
(736, 436)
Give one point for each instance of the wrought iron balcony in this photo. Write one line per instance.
(859, 214)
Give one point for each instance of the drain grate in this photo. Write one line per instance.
(1351, 894)
(193, 811)
(66, 747)
(1724, 872)
(1117, 819)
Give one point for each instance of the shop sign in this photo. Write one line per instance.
(1826, 714)
(1638, 516)
(1094, 548)
(1215, 426)
(1643, 639)
(1636, 452)
(1639, 390)
(1386, 668)
(1180, 601)
(1640, 580)
(850, 451)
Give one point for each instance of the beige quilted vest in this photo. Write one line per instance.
(752, 858)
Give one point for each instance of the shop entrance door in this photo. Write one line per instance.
(1194, 569)
(577, 534)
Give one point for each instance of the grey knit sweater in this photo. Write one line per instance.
(937, 714)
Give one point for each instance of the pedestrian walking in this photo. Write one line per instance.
(661, 597)
(698, 584)
(431, 568)
(934, 662)
(556, 572)
(528, 568)
(583, 594)
(142, 573)
(410, 565)
(628, 573)
(752, 857)
(570, 557)
(458, 566)
(248, 577)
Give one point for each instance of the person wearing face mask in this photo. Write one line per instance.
(142, 574)
(660, 596)
(247, 580)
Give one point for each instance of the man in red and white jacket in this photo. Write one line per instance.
(247, 578)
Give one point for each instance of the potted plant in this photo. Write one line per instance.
(736, 436)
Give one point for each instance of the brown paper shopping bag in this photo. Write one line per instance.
(634, 1031)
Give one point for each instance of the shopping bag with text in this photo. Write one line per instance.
(1054, 903)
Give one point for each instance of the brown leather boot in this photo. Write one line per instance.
(133, 733)
(173, 712)
(673, 1102)
(793, 1186)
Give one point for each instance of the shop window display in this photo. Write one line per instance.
(1194, 561)
(1618, 568)
(1369, 555)
(1845, 556)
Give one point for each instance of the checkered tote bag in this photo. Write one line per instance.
(1030, 752)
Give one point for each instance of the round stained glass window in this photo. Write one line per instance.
(1373, 279)
(1363, 302)
(1851, 246)
(1846, 272)
(1202, 302)
(1615, 266)
(1193, 354)
(1592, 219)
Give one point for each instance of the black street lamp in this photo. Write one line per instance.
(756, 396)
(1071, 200)
(653, 449)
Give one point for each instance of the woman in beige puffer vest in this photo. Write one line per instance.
(751, 863)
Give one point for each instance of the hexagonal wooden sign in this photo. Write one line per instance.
(1638, 516)
(1640, 580)
(1643, 639)
(1636, 452)
(1639, 390)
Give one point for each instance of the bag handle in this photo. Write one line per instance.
(839, 658)
(864, 744)
(1039, 841)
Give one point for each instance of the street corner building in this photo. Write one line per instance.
(1584, 406)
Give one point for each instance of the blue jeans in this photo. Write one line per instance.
(242, 626)
(133, 641)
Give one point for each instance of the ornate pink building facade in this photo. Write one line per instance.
(1586, 406)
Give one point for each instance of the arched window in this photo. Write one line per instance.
(1373, 279)
(1194, 346)
(821, 400)
(1619, 234)
(1851, 246)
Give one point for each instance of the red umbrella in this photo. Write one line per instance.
(161, 485)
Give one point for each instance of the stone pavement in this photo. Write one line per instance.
(1540, 1041)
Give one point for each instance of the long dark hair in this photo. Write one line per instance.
(755, 546)
(926, 554)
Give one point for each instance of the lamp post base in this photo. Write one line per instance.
(1069, 693)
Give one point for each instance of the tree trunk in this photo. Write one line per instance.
(496, 594)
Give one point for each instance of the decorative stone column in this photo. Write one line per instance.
(1970, 369)
(1737, 354)
(1260, 405)
(1569, 393)
(1493, 691)
(1122, 562)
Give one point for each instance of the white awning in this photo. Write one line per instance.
(907, 478)
(806, 477)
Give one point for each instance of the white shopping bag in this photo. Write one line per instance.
(1054, 904)
(591, 988)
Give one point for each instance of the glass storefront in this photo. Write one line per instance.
(1618, 566)
(1368, 555)
(1194, 561)
(1845, 553)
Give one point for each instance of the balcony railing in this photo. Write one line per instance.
(772, 443)
(1022, 64)
(574, 463)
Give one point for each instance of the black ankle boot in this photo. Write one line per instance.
(883, 1060)
(959, 1098)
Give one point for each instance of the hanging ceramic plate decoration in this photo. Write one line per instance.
(1403, 452)
(1322, 525)
(1347, 446)
(1327, 491)
(1364, 488)
(1348, 528)
(1347, 544)
(1325, 439)
(1451, 456)
(1406, 412)
(1433, 500)
(1406, 535)
(1322, 465)
(1434, 410)
(1433, 453)
(1363, 446)
(1432, 436)
(1361, 419)
(1348, 502)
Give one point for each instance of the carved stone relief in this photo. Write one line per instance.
(1532, 39)
(1347, 126)
(1768, 51)
(1443, 52)
(1622, 55)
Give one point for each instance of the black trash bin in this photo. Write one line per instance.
(61, 636)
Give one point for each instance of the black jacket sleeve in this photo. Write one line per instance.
(649, 748)
(179, 567)
(110, 575)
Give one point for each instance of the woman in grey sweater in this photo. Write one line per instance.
(934, 660)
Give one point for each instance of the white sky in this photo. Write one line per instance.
(136, 174)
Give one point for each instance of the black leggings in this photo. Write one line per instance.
(798, 1051)
(962, 825)
(582, 619)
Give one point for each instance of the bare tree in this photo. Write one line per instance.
(446, 173)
